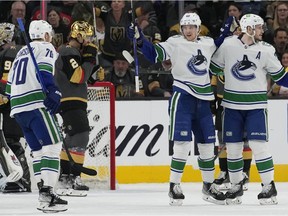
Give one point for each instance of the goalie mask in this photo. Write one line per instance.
(250, 20)
(83, 28)
(38, 28)
(6, 33)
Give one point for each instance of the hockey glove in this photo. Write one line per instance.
(135, 32)
(3, 99)
(98, 74)
(52, 100)
(89, 53)
(230, 26)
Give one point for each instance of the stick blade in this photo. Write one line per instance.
(127, 56)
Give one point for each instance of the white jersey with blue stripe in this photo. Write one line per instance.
(190, 64)
(245, 70)
(23, 86)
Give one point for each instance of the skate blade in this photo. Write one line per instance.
(269, 201)
(210, 199)
(71, 192)
(176, 202)
(46, 208)
(235, 201)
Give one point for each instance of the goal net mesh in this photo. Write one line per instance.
(98, 152)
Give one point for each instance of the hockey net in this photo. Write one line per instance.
(100, 152)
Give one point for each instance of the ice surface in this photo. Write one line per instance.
(148, 199)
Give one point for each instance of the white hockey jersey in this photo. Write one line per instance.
(245, 70)
(190, 64)
(23, 86)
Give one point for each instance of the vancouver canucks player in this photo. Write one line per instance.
(189, 106)
(246, 60)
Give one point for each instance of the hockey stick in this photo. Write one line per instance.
(135, 51)
(76, 166)
(220, 151)
(95, 31)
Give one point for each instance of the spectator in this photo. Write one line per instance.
(115, 41)
(123, 79)
(160, 84)
(152, 34)
(60, 29)
(279, 19)
(280, 41)
(18, 10)
(281, 90)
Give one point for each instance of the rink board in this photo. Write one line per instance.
(143, 152)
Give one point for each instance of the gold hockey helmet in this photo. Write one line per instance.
(83, 28)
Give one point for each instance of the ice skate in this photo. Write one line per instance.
(49, 202)
(176, 195)
(223, 181)
(212, 194)
(69, 185)
(234, 194)
(268, 194)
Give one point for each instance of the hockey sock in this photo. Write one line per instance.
(206, 161)
(36, 160)
(179, 158)
(235, 161)
(263, 160)
(50, 164)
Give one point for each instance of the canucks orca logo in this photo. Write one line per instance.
(196, 61)
(238, 69)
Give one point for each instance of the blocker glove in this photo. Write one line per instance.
(89, 53)
(52, 100)
(135, 32)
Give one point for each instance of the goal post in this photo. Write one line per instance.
(100, 152)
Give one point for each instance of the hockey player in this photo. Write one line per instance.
(74, 67)
(223, 181)
(11, 129)
(189, 106)
(34, 111)
(246, 60)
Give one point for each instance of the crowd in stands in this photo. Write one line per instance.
(158, 19)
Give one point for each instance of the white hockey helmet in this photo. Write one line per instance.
(6, 33)
(190, 19)
(250, 20)
(38, 28)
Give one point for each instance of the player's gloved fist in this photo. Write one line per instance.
(3, 99)
(230, 26)
(100, 74)
(135, 32)
(89, 52)
(52, 100)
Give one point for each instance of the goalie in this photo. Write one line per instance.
(11, 129)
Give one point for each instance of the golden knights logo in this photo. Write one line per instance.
(195, 63)
(57, 40)
(117, 33)
(240, 69)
